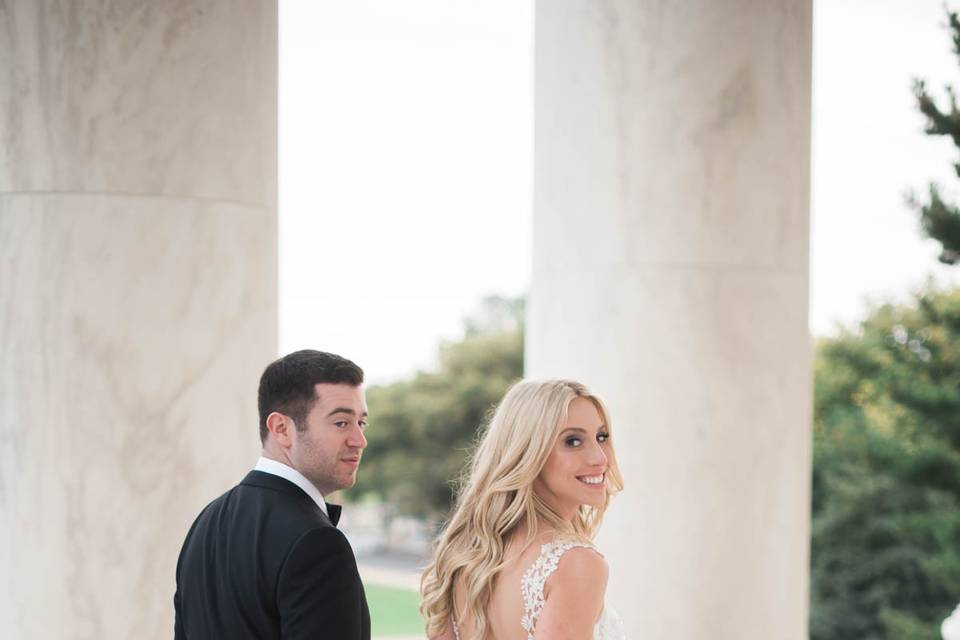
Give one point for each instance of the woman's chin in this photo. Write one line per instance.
(595, 501)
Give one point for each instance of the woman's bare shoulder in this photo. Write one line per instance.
(573, 595)
(580, 568)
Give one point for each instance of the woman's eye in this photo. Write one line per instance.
(603, 437)
(573, 442)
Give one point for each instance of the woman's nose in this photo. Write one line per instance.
(598, 456)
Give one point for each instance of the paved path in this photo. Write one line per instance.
(392, 570)
(372, 574)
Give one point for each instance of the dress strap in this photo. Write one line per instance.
(533, 581)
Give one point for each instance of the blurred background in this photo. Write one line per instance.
(734, 220)
(411, 127)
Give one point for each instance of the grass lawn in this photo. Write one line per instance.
(393, 611)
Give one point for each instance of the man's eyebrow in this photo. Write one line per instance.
(346, 410)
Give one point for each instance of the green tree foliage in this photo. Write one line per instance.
(941, 219)
(886, 478)
(421, 430)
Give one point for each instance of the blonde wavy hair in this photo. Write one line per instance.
(498, 495)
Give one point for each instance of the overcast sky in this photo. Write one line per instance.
(406, 151)
(869, 151)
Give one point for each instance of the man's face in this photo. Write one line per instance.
(328, 451)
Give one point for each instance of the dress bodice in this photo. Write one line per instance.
(608, 627)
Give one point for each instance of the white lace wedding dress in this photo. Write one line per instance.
(608, 627)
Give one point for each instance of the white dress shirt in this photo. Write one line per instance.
(289, 473)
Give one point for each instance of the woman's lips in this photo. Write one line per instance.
(595, 481)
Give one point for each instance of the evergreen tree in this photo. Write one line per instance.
(886, 484)
(939, 218)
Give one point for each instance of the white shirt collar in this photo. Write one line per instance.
(289, 473)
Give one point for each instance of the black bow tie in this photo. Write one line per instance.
(333, 512)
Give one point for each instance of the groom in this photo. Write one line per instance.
(265, 559)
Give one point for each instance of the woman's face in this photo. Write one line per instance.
(575, 472)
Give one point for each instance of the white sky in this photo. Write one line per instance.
(406, 151)
(869, 150)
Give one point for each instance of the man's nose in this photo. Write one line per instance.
(357, 439)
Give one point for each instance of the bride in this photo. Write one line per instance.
(516, 561)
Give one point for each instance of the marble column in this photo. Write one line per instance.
(137, 295)
(670, 274)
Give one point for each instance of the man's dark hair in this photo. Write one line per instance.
(286, 385)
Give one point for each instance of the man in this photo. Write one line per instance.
(265, 559)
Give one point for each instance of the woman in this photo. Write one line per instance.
(516, 561)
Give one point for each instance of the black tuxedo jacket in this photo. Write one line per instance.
(263, 561)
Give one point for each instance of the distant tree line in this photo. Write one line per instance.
(422, 429)
(886, 474)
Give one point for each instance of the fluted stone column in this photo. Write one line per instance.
(670, 274)
(137, 295)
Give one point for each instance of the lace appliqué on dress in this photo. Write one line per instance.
(608, 627)
(536, 577)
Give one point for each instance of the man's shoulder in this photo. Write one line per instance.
(270, 482)
(275, 496)
(275, 502)
(329, 539)
(321, 551)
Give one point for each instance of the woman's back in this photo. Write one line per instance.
(550, 585)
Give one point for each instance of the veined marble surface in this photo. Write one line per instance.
(670, 275)
(682, 129)
(138, 284)
(134, 332)
(137, 97)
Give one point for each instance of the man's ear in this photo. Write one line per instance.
(281, 428)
